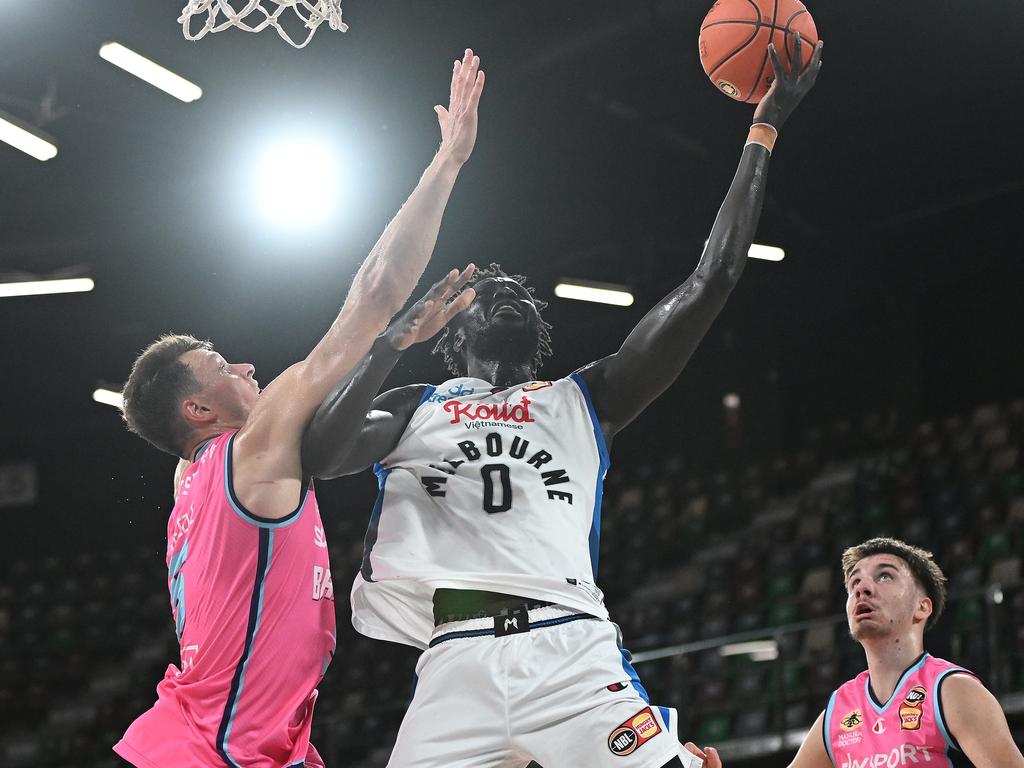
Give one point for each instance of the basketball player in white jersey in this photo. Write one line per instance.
(482, 546)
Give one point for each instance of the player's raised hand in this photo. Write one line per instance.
(788, 88)
(459, 121)
(709, 755)
(432, 312)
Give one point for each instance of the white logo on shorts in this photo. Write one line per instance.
(511, 623)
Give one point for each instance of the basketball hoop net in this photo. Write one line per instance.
(254, 17)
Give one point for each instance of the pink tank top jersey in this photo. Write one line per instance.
(909, 729)
(253, 607)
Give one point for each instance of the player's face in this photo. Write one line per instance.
(882, 597)
(503, 321)
(501, 301)
(228, 389)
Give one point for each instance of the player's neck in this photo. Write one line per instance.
(204, 436)
(888, 658)
(501, 373)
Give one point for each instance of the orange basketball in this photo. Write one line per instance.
(734, 40)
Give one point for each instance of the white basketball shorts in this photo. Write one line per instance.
(563, 694)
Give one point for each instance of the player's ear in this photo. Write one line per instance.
(924, 608)
(196, 413)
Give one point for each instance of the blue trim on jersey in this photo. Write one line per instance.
(415, 682)
(178, 589)
(602, 450)
(266, 550)
(666, 715)
(634, 678)
(903, 679)
(428, 392)
(201, 449)
(560, 620)
(371, 529)
(460, 635)
(826, 726)
(245, 514)
(937, 707)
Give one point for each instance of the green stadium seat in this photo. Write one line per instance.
(782, 586)
(713, 730)
(995, 545)
(783, 613)
(970, 614)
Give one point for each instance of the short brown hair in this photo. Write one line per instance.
(921, 562)
(158, 382)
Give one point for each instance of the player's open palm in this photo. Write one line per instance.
(431, 313)
(788, 88)
(459, 121)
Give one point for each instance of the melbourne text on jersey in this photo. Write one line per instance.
(495, 475)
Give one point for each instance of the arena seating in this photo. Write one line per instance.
(685, 559)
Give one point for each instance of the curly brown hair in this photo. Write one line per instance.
(446, 343)
(923, 567)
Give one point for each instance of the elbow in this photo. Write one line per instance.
(723, 276)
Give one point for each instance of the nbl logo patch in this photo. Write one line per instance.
(634, 733)
(911, 709)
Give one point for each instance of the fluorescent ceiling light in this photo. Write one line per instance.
(42, 287)
(763, 252)
(758, 650)
(601, 293)
(26, 141)
(150, 71)
(108, 397)
(766, 252)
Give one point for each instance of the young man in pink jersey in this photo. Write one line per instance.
(248, 571)
(907, 708)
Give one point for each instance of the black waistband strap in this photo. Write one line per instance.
(466, 604)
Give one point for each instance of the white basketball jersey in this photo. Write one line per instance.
(488, 489)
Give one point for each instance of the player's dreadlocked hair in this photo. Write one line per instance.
(446, 344)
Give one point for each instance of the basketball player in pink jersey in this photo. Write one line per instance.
(907, 708)
(248, 570)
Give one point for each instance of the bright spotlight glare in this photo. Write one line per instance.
(298, 183)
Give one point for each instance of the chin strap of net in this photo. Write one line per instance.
(312, 13)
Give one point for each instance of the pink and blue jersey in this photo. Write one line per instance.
(908, 729)
(253, 606)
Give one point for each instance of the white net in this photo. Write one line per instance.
(257, 15)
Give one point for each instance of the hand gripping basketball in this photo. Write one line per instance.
(788, 88)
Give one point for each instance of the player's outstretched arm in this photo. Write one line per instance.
(812, 752)
(663, 341)
(267, 466)
(977, 723)
(352, 429)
